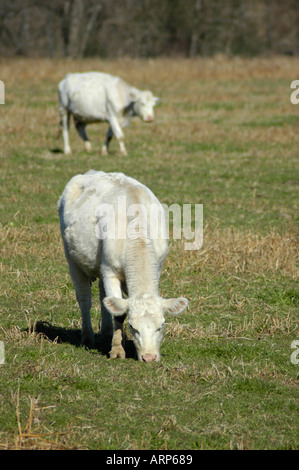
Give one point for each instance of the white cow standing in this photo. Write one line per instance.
(127, 262)
(96, 97)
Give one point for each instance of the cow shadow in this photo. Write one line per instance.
(73, 336)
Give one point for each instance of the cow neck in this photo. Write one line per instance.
(141, 267)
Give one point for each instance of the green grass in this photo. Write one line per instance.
(225, 136)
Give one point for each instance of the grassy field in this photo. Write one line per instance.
(226, 136)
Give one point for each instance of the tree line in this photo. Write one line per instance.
(148, 28)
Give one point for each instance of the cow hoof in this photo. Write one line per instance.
(87, 146)
(117, 351)
(88, 342)
(104, 151)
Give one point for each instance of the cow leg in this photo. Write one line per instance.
(106, 323)
(116, 129)
(83, 294)
(80, 126)
(65, 124)
(111, 287)
(108, 138)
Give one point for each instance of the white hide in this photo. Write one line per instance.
(130, 265)
(96, 97)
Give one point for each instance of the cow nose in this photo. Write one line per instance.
(149, 357)
(149, 119)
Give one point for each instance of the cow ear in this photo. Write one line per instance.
(175, 306)
(116, 306)
(133, 95)
(157, 100)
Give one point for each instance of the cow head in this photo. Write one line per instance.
(146, 320)
(144, 103)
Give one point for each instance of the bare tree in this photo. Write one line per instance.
(76, 28)
(90, 24)
(78, 19)
(195, 31)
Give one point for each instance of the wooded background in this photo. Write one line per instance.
(148, 28)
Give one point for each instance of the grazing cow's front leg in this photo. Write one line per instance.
(116, 129)
(117, 349)
(65, 124)
(111, 286)
(106, 322)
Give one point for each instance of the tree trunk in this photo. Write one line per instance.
(76, 14)
(88, 29)
(195, 32)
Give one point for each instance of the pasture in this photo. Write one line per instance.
(225, 136)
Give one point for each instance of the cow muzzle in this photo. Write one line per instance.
(149, 119)
(149, 357)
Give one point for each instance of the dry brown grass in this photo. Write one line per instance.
(244, 259)
(232, 251)
(30, 435)
(17, 71)
(205, 81)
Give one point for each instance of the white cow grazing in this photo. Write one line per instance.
(128, 263)
(96, 97)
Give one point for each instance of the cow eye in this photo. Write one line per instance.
(133, 330)
(161, 327)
